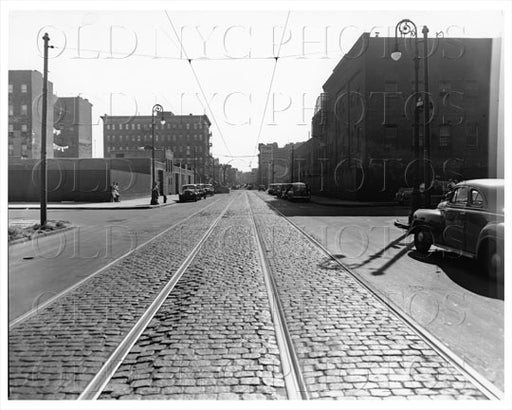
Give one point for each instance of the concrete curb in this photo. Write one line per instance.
(85, 207)
(42, 235)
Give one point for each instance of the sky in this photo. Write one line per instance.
(218, 62)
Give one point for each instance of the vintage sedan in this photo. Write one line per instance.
(283, 189)
(470, 222)
(209, 189)
(299, 191)
(189, 192)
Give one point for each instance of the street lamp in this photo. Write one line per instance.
(407, 27)
(157, 108)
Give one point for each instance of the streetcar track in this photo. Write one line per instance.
(95, 387)
(481, 383)
(294, 381)
(68, 290)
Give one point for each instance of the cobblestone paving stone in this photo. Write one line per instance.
(55, 353)
(348, 343)
(213, 337)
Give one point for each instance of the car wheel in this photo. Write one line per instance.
(492, 259)
(423, 240)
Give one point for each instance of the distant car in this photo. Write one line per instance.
(299, 191)
(202, 190)
(470, 222)
(209, 189)
(220, 189)
(283, 191)
(403, 195)
(438, 189)
(272, 188)
(261, 187)
(189, 192)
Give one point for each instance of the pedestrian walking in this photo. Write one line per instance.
(115, 192)
(154, 194)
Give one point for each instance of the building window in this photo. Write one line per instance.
(138, 138)
(113, 126)
(133, 126)
(444, 136)
(472, 136)
(23, 109)
(138, 126)
(23, 88)
(107, 126)
(10, 88)
(11, 128)
(11, 112)
(11, 150)
(187, 126)
(200, 125)
(24, 127)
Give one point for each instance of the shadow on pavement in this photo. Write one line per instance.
(465, 272)
(289, 209)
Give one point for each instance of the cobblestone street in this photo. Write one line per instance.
(215, 335)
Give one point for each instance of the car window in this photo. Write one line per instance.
(460, 197)
(476, 199)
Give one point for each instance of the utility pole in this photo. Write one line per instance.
(291, 173)
(44, 192)
(426, 122)
(195, 165)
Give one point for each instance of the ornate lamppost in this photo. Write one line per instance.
(157, 108)
(407, 28)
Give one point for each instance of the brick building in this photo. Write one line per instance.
(25, 115)
(73, 128)
(362, 129)
(187, 136)
(274, 162)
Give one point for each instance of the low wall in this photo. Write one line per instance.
(80, 180)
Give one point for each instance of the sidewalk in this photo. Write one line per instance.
(136, 203)
(321, 200)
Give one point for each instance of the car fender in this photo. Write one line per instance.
(494, 231)
(431, 219)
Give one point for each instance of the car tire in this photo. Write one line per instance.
(492, 260)
(423, 240)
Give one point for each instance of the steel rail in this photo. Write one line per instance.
(52, 300)
(101, 379)
(480, 382)
(293, 378)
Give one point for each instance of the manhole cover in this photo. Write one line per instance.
(28, 257)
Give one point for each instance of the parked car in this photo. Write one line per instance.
(202, 191)
(299, 191)
(209, 189)
(189, 192)
(439, 188)
(470, 222)
(272, 188)
(220, 189)
(261, 187)
(283, 190)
